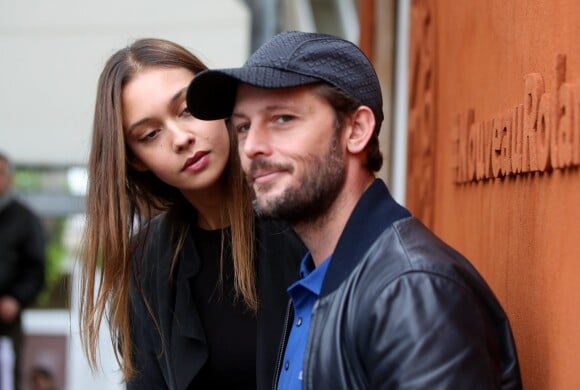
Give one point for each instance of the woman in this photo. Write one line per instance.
(192, 285)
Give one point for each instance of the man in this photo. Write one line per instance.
(22, 259)
(382, 303)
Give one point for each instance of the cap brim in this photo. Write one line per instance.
(212, 93)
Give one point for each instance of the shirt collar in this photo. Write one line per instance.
(312, 276)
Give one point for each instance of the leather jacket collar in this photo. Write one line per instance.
(375, 211)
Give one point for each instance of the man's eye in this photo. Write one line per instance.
(281, 119)
(242, 128)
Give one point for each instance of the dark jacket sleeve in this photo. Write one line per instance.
(143, 313)
(148, 374)
(32, 260)
(430, 332)
(279, 252)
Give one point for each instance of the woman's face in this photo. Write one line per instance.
(185, 152)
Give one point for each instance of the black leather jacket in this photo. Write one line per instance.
(171, 350)
(401, 309)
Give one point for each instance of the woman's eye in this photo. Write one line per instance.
(149, 135)
(184, 113)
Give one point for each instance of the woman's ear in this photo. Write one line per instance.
(361, 129)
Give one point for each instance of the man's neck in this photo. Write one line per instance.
(322, 235)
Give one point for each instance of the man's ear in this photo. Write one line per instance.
(361, 129)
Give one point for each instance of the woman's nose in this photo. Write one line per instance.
(182, 139)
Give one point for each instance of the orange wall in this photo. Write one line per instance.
(520, 229)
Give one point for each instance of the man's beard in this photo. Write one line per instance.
(322, 181)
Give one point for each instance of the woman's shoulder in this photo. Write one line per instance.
(151, 240)
(279, 251)
(270, 226)
(153, 227)
(276, 238)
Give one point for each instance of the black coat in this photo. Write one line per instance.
(400, 309)
(172, 360)
(22, 253)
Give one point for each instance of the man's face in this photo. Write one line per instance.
(290, 151)
(5, 177)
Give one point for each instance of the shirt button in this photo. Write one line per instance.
(299, 321)
(287, 365)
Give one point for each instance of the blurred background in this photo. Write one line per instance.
(51, 55)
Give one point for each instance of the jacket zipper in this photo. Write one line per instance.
(283, 342)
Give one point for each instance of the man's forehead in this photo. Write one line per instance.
(271, 98)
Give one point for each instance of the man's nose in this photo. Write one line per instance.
(255, 141)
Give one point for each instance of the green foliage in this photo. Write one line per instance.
(51, 296)
(39, 180)
(28, 179)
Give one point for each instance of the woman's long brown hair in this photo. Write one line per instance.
(119, 195)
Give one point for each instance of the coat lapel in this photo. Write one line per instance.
(185, 349)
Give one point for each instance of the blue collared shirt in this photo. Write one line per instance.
(304, 294)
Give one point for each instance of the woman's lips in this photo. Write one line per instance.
(197, 162)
